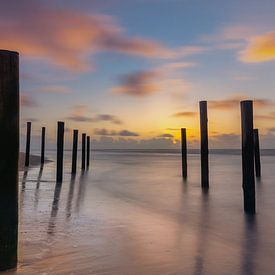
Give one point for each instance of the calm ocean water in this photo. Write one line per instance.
(131, 213)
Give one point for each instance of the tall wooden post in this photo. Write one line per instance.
(88, 151)
(204, 145)
(74, 153)
(9, 148)
(83, 151)
(43, 145)
(257, 154)
(60, 151)
(248, 156)
(184, 153)
(28, 144)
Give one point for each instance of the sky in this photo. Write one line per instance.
(132, 73)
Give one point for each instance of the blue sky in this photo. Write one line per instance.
(141, 62)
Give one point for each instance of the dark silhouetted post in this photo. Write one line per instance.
(83, 151)
(60, 151)
(248, 156)
(204, 145)
(74, 155)
(28, 144)
(257, 154)
(9, 147)
(43, 145)
(88, 151)
(184, 153)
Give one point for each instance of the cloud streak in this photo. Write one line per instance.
(259, 48)
(28, 101)
(122, 133)
(80, 114)
(67, 37)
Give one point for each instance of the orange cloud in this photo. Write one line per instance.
(234, 102)
(138, 84)
(164, 78)
(260, 48)
(80, 113)
(67, 37)
(27, 101)
(184, 114)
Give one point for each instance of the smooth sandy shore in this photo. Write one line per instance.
(133, 214)
(34, 161)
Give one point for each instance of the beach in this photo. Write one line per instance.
(131, 213)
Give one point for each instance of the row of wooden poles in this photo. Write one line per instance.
(251, 162)
(9, 148)
(85, 161)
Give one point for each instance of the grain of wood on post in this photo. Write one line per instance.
(184, 153)
(28, 144)
(74, 152)
(83, 164)
(248, 156)
(204, 145)
(43, 133)
(60, 151)
(257, 154)
(9, 147)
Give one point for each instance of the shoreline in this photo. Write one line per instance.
(34, 161)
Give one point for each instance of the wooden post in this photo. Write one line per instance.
(74, 155)
(257, 154)
(248, 156)
(60, 151)
(204, 145)
(184, 153)
(28, 144)
(9, 148)
(88, 151)
(43, 145)
(83, 151)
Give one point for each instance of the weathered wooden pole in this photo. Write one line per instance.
(60, 151)
(88, 151)
(257, 154)
(28, 144)
(248, 156)
(184, 153)
(43, 145)
(204, 145)
(83, 151)
(9, 148)
(74, 154)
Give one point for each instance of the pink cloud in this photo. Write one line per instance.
(27, 101)
(67, 37)
(259, 48)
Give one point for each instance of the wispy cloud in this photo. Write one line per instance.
(166, 136)
(122, 133)
(138, 84)
(259, 48)
(28, 101)
(67, 37)
(234, 102)
(80, 113)
(166, 77)
(185, 114)
(54, 89)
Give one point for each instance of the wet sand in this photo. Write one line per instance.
(34, 161)
(131, 213)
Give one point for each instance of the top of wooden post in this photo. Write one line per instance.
(8, 52)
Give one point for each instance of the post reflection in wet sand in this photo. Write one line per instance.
(70, 197)
(249, 245)
(81, 190)
(36, 194)
(55, 207)
(202, 233)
